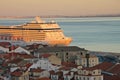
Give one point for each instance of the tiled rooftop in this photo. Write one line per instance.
(16, 55)
(69, 64)
(65, 68)
(44, 78)
(45, 55)
(37, 70)
(5, 44)
(28, 65)
(111, 77)
(17, 73)
(115, 69)
(103, 66)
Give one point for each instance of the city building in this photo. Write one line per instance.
(87, 60)
(52, 58)
(36, 73)
(88, 74)
(20, 74)
(66, 53)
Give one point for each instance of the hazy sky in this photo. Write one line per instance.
(58, 7)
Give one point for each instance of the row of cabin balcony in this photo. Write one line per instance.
(11, 38)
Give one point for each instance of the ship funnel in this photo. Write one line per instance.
(38, 20)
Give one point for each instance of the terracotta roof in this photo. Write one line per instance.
(90, 68)
(15, 55)
(17, 73)
(45, 55)
(9, 55)
(12, 61)
(115, 69)
(2, 55)
(103, 66)
(44, 78)
(65, 68)
(69, 64)
(36, 70)
(28, 65)
(33, 46)
(15, 61)
(5, 44)
(13, 47)
(26, 56)
(15, 58)
(111, 77)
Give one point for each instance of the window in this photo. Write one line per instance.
(66, 78)
(83, 78)
(67, 53)
(76, 78)
(80, 78)
(81, 53)
(93, 72)
(5, 38)
(99, 71)
(84, 72)
(87, 78)
(99, 78)
(80, 72)
(56, 54)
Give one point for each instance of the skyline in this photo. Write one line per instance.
(59, 7)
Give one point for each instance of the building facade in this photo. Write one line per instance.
(66, 53)
(88, 74)
(87, 60)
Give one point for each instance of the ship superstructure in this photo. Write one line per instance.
(35, 32)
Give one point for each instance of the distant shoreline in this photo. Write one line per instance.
(59, 16)
(104, 53)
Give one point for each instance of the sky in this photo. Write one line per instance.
(59, 7)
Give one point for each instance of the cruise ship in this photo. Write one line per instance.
(36, 31)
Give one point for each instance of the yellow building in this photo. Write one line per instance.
(87, 60)
(88, 74)
(52, 58)
(65, 53)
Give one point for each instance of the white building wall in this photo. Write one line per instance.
(4, 49)
(21, 50)
(44, 64)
